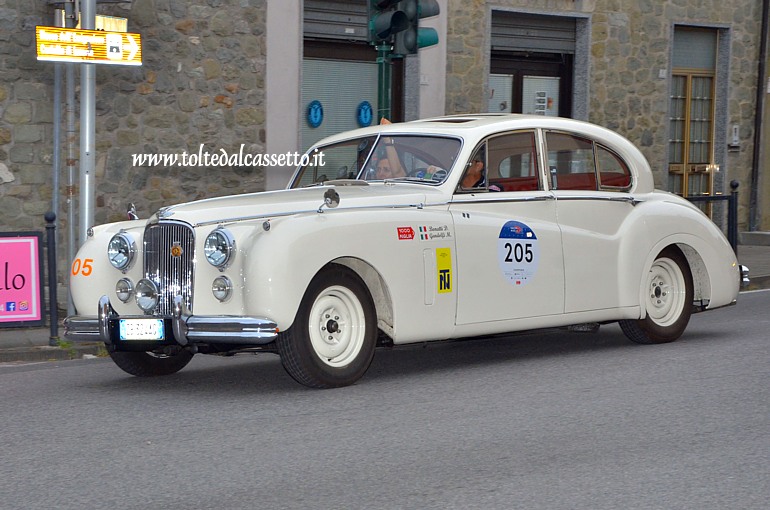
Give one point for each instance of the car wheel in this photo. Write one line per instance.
(333, 338)
(147, 364)
(668, 300)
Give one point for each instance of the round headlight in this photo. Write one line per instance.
(222, 288)
(146, 295)
(121, 251)
(124, 289)
(219, 248)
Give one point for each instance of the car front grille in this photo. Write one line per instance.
(169, 254)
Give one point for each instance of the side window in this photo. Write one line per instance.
(513, 162)
(614, 174)
(475, 176)
(571, 163)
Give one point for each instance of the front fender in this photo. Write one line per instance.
(91, 274)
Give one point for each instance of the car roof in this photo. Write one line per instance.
(471, 125)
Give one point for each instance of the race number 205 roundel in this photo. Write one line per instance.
(518, 252)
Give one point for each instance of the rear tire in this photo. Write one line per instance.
(332, 340)
(146, 364)
(668, 300)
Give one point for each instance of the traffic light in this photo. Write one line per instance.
(385, 19)
(412, 38)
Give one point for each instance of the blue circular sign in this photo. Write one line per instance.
(315, 113)
(364, 114)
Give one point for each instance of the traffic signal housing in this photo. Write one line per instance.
(412, 37)
(385, 19)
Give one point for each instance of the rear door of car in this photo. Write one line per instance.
(508, 241)
(590, 183)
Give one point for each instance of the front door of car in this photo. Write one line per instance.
(508, 242)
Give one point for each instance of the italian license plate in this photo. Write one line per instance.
(141, 329)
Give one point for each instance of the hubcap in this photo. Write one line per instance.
(337, 326)
(666, 292)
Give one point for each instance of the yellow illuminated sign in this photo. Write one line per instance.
(96, 46)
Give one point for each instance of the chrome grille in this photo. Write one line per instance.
(167, 266)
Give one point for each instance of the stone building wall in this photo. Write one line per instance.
(26, 114)
(631, 42)
(201, 82)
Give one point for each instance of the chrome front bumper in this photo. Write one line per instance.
(185, 328)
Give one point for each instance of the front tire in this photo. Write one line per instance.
(668, 300)
(332, 340)
(146, 364)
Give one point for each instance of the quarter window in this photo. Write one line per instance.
(613, 171)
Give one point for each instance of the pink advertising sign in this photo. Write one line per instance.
(20, 279)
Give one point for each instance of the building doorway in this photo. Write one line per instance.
(531, 64)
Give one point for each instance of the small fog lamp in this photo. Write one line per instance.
(124, 289)
(222, 288)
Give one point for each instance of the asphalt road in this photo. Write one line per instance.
(550, 420)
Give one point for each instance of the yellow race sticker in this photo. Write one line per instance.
(444, 269)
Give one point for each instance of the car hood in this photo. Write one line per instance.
(305, 200)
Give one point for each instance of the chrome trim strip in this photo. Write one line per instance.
(629, 199)
(227, 221)
(494, 198)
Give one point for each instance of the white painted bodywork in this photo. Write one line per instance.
(593, 252)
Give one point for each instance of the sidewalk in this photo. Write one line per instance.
(32, 344)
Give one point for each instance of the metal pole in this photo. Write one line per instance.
(87, 128)
(57, 80)
(383, 82)
(70, 22)
(53, 306)
(732, 216)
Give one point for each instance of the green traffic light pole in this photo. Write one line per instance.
(383, 81)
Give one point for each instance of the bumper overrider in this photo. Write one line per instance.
(181, 328)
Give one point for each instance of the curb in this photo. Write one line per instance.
(45, 353)
(758, 283)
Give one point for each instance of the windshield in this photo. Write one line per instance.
(412, 158)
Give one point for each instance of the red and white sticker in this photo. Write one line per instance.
(405, 233)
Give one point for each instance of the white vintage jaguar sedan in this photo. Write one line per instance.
(427, 230)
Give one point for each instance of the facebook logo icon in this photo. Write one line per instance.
(10, 306)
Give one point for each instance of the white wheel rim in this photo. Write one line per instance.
(665, 292)
(337, 326)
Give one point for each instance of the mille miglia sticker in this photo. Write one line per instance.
(405, 233)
